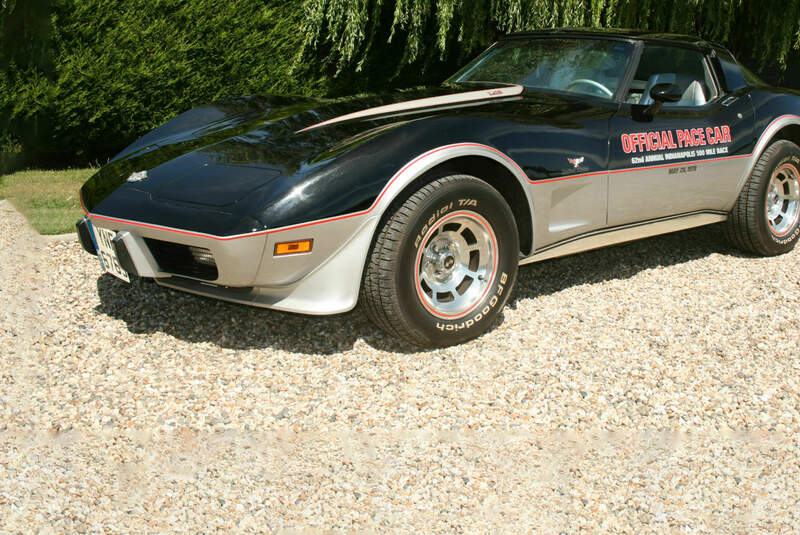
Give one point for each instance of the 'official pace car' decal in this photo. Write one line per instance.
(430, 102)
(667, 145)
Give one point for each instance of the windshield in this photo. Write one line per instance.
(586, 66)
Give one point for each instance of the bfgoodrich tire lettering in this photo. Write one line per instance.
(444, 264)
(766, 217)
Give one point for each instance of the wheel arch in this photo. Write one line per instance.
(499, 177)
(784, 127)
(481, 161)
(790, 132)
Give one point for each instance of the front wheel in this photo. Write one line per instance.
(444, 264)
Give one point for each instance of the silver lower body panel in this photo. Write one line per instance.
(325, 281)
(625, 233)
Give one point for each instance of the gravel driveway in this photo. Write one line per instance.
(647, 388)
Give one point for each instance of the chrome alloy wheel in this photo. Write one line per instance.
(783, 199)
(456, 264)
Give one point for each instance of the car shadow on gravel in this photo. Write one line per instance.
(148, 308)
(621, 261)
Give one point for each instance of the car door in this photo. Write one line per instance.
(686, 156)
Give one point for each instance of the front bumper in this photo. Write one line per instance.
(324, 281)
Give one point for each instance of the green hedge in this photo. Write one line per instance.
(102, 72)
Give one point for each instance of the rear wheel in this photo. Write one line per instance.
(444, 264)
(766, 218)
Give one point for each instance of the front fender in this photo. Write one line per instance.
(367, 176)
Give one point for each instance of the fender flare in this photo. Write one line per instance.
(764, 140)
(434, 157)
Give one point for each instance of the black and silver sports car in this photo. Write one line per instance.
(423, 203)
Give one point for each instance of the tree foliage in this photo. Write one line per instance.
(79, 79)
(347, 32)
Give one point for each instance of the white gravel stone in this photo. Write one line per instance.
(652, 387)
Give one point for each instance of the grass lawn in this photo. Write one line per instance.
(47, 199)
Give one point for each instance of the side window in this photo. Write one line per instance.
(734, 79)
(673, 65)
(736, 75)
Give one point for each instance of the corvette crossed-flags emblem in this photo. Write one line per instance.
(575, 162)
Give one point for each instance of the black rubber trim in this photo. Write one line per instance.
(124, 257)
(85, 235)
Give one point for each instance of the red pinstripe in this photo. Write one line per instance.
(398, 174)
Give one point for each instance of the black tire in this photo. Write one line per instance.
(429, 235)
(749, 226)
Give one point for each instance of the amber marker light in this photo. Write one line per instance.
(293, 247)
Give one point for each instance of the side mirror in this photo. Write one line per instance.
(666, 93)
(661, 93)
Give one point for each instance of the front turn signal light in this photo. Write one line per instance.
(293, 247)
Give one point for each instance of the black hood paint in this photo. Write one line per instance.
(241, 165)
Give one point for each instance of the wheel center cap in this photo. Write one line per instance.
(440, 260)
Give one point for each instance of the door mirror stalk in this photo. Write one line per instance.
(659, 93)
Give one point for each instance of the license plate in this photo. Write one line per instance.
(107, 254)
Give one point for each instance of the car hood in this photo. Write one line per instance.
(218, 154)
